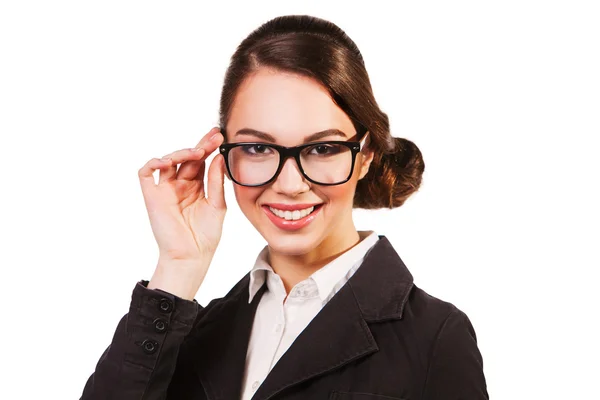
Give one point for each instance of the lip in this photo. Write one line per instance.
(291, 207)
(291, 225)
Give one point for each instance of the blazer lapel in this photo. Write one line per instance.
(339, 333)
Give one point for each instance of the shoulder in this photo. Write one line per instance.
(422, 305)
(433, 316)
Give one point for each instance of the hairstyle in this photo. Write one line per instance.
(318, 49)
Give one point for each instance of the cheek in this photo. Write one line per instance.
(341, 194)
(246, 196)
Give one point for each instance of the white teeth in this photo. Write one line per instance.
(292, 215)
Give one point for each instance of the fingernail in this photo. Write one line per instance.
(197, 149)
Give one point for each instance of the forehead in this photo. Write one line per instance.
(288, 106)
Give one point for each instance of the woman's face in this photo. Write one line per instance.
(290, 107)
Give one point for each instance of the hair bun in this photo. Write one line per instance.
(392, 178)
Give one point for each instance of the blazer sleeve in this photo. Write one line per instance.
(456, 366)
(144, 349)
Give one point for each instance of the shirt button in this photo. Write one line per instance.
(278, 328)
(255, 385)
(165, 305)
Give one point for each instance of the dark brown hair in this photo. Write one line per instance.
(318, 49)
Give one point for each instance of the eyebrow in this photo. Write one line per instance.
(309, 138)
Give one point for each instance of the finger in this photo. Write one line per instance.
(189, 169)
(212, 143)
(193, 154)
(192, 160)
(208, 136)
(216, 190)
(181, 157)
(146, 176)
(195, 170)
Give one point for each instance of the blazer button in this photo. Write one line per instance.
(160, 325)
(165, 305)
(149, 346)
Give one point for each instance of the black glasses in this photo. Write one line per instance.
(258, 163)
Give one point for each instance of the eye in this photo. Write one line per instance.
(256, 149)
(325, 149)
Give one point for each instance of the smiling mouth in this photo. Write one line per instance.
(293, 215)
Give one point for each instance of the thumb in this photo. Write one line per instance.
(216, 178)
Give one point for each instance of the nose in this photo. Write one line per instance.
(290, 180)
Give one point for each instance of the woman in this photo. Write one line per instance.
(327, 312)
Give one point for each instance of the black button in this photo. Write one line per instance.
(165, 305)
(160, 325)
(149, 346)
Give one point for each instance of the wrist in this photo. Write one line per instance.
(182, 279)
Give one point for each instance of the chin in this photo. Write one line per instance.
(291, 244)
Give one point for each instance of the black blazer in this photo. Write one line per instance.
(380, 337)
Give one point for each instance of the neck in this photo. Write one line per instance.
(296, 268)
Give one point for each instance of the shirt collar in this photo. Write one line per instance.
(258, 274)
(328, 277)
(325, 278)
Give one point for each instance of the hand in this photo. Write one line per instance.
(186, 221)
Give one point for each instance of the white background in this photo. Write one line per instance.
(503, 99)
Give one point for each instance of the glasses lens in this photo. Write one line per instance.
(253, 164)
(327, 163)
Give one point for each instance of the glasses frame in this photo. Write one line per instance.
(287, 152)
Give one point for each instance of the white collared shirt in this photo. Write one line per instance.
(277, 323)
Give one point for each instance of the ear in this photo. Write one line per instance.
(366, 158)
